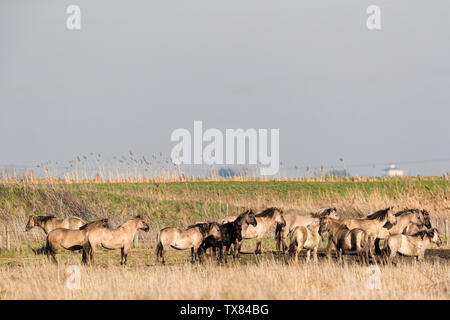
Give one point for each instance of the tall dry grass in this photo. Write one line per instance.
(267, 279)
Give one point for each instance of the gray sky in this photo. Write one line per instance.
(137, 70)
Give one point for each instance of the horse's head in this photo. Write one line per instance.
(324, 225)
(250, 218)
(425, 219)
(141, 225)
(105, 223)
(279, 217)
(333, 213)
(31, 223)
(435, 237)
(391, 218)
(214, 231)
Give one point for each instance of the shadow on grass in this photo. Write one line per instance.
(41, 250)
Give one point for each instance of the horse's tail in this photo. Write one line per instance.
(47, 246)
(159, 246)
(278, 231)
(87, 248)
(386, 251)
(292, 246)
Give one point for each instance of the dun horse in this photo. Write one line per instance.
(413, 246)
(345, 239)
(71, 239)
(265, 220)
(409, 221)
(230, 233)
(305, 237)
(190, 238)
(372, 224)
(49, 223)
(119, 238)
(295, 220)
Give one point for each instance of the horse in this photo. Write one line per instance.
(265, 219)
(305, 237)
(49, 223)
(345, 239)
(372, 225)
(230, 233)
(409, 221)
(70, 239)
(413, 246)
(295, 220)
(190, 238)
(119, 238)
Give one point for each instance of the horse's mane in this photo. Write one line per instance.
(404, 211)
(269, 212)
(45, 218)
(423, 233)
(92, 223)
(204, 227)
(323, 212)
(380, 215)
(425, 213)
(242, 215)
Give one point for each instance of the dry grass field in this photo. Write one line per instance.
(25, 272)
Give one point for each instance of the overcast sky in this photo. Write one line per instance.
(137, 70)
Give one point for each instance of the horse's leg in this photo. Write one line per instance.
(371, 247)
(227, 249)
(237, 247)
(163, 250)
(377, 246)
(308, 255)
(220, 253)
(258, 246)
(329, 244)
(199, 254)
(53, 254)
(284, 234)
(124, 251)
(121, 256)
(316, 248)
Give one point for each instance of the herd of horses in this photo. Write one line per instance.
(408, 232)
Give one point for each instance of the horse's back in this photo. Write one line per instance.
(75, 223)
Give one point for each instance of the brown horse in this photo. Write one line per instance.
(345, 239)
(409, 221)
(190, 238)
(265, 219)
(48, 223)
(372, 224)
(70, 239)
(119, 238)
(413, 246)
(305, 237)
(230, 233)
(295, 220)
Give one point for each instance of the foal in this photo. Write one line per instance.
(230, 234)
(295, 220)
(305, 237)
